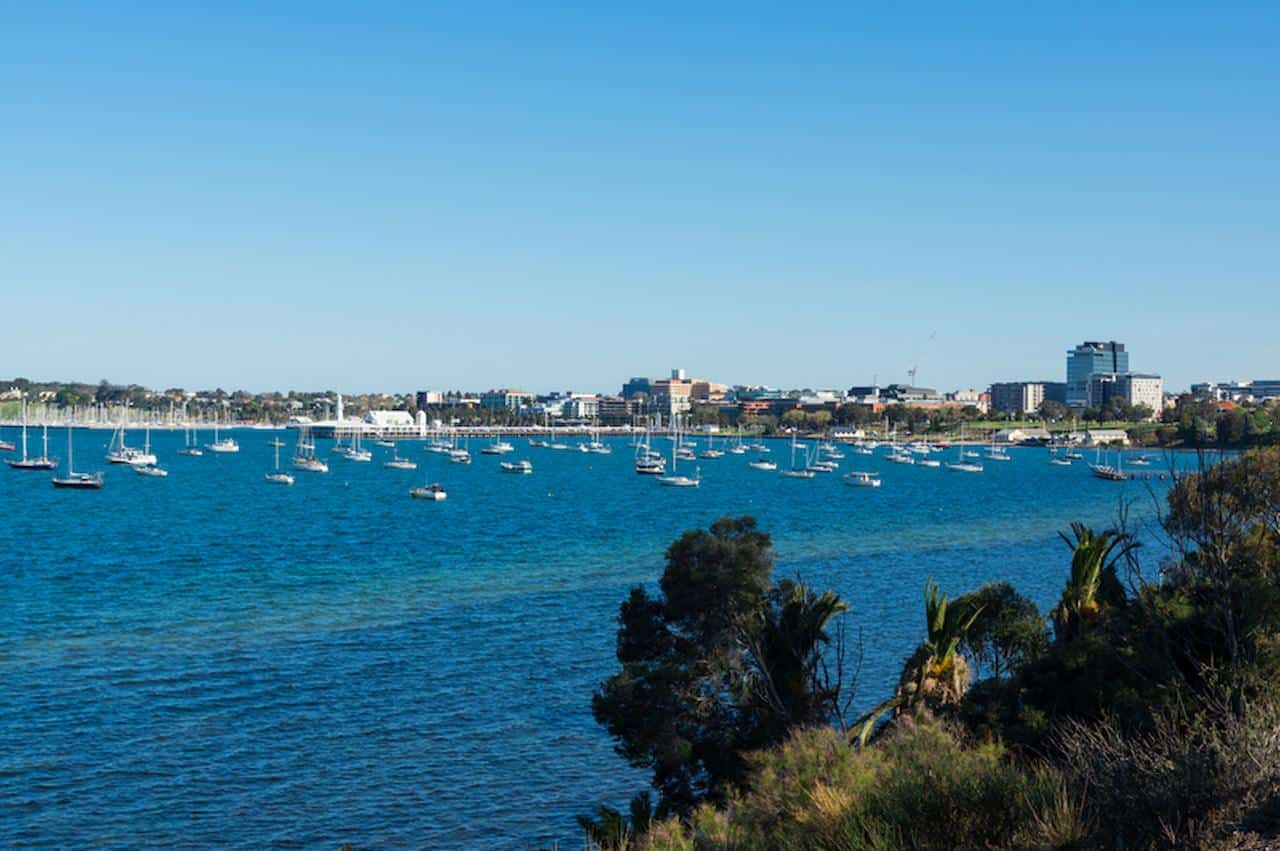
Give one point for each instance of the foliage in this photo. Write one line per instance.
(1093, 560)
(1008, 632)
(718, 663)
(919, 787)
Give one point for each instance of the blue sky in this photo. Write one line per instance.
(401, 196)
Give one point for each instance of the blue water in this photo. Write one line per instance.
(207, 659)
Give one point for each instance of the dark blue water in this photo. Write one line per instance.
(209, 659)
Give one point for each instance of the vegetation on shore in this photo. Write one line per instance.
(1142, 711)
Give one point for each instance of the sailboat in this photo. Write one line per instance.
(648, 462)
(119, 452)
(398, 463)
(190, 443)
(74, 480)
(43, 462)
(738, 448)
(353, 451)
(304, 454)
(1103, 470)
(222, 446)
(675, 480)
(278, 476)
(996, 453)
(711, 451)
(961, 465)
(797, 472)
(497, 446)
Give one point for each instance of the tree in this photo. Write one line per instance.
(1009, 631)
(718, 663)
(1052, 411)
(1093, 559)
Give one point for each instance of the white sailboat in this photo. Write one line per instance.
(190, 443)
(278, 476)
(674, 479)
(398, 463)
(797, 472)
(222, 446)
(304, 453)
(961, 465)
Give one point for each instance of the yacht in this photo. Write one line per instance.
(383, 442)
(648, 462)
(497, 447)
(43, 461)
(353, 451)
(398, 463)
(120, 452)
(674, 479)
(151, 470)
(433, 492)
(797, 472)
(711, 451)
(1140, 461)
(223, 445)
(190, 443)
(278, 476)
(73, 480)
(1104, 470)
(520, 467)
(762, 464)
(996, 453)
(304, 454)
(862, 479)
(929, 462)
(961, 465)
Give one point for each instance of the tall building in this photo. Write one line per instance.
(1134, 388)
(1017, 397)
(513, 400)
(1092, 358)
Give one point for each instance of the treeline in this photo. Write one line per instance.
(1141, 711)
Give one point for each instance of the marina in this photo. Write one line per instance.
(232, 615)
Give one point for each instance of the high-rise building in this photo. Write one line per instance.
(1092, 358)
(1017, 397)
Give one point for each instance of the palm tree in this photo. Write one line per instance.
(787, 652)
(1092, 554)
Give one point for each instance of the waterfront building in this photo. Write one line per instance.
(512, 400)
(637, 387)
(1142, 389)
(1017, 397)
(1088, 359)
(1106, 437)
(581, 407)
(428, 398)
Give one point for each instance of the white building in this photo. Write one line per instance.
(1139, 389)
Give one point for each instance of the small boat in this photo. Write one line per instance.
(1140, 461)
(222, 446)
(800, 474)
(650, 466)
(41, 462)
(969, 453)
(1106, 471)
(278, 476)
(900, 457)
(929, 462)
(498, 447)
(676, 481)
(862, 479)
(304, 454)
(964, 467)
(73, 480)
(190, 442)
(398, 463)
(121, 453)
(433, 492)
(151, 470)
(459, 456)
(1060, 461)
(1074, 456)
(275, 441)
(382, 441)
(761, 464)
(519, 467)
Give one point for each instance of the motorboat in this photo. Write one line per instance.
(862, 479)
(519, 467)
(762, 464)
(433, 492)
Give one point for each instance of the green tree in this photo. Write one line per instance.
(1009, 632)
(720, 662)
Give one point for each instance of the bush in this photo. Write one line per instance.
(918, 787)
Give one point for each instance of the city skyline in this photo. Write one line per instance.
(381, 200)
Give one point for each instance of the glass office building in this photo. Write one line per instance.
(1090, 358)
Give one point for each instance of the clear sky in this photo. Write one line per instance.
(374, 196)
